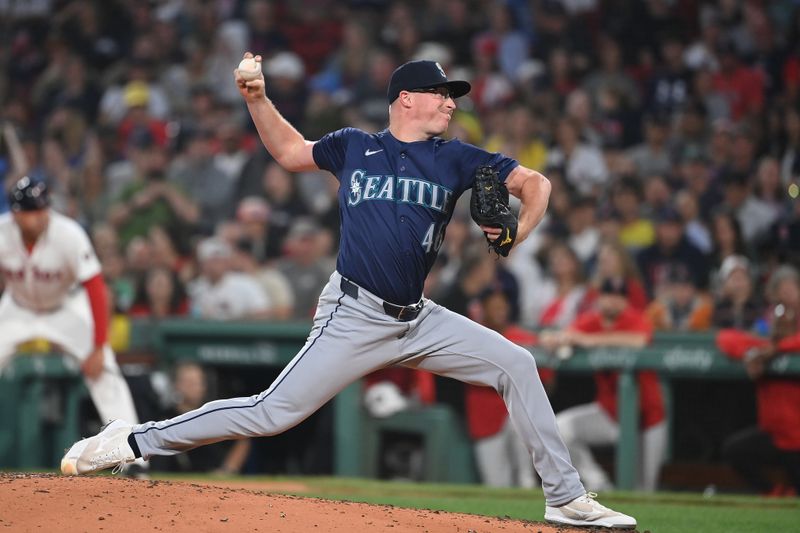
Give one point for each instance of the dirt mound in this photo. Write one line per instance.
(43, 502)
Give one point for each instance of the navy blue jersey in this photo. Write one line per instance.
(395, 201)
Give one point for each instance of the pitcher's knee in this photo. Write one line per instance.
(270, 426)
(276, 417)
(518, 362)
(515, 365)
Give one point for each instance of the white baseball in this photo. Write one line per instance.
(249, 69)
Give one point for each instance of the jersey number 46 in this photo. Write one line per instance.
(432, 240)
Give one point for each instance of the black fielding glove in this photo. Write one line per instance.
(489, 207)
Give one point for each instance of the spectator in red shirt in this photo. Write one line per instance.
(613, 324)
(161, 296)
(614, 262)
(775, 441)
(742, 86)
(502, 458)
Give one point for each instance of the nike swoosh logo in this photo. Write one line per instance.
(371, 152)
(575, 514)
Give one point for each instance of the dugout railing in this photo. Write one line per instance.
(23, 405)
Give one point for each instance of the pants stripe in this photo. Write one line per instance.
(274, 387)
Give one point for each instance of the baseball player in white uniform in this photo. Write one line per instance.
(54, 290)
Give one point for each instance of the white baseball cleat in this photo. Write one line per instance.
(586, 511)
(107, 449)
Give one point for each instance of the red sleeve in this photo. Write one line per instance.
(735, 343)
(520, 336)
(791, 73)
(755, 95)
(637, 296)
(139, 311)
(407, 380)
(640, 324)
(588, 322)
(426, 387)
(183, 308)
(98, 300)
(790, 344)
(400, 376)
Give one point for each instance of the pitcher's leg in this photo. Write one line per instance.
(583, 426)
(454, 346)
(340, 348)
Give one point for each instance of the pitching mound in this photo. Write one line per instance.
(43, 502)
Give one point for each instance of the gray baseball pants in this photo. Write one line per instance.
(353, 337)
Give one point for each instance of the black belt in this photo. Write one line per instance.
(403, 313)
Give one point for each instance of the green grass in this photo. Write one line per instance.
(658, 513)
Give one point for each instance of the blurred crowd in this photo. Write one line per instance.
(670, 130)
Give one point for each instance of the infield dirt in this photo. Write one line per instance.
(50, 503)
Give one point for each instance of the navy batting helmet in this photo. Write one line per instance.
(28, 195)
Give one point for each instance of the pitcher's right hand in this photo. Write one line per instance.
(253, 90)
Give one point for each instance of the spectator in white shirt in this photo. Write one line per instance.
(583, 164)
(222, 294)
(754, 215)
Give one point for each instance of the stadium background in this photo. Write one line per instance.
(641, 113)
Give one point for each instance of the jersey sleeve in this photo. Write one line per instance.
(83, 260)
(790, 344)
(640, 324)
(474, 157)
(587, 322)
(329, 152)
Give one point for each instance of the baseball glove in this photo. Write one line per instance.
(489, 207)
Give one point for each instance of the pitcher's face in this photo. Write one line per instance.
(435, 106)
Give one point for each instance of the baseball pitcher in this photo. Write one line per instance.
(396, 196)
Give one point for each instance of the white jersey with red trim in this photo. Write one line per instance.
(39, 303)
(41, 279)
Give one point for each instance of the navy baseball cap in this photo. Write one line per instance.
(423, 74)
(28, 195)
